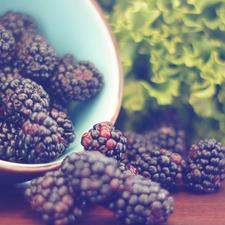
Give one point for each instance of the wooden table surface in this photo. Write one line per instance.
(189, 210)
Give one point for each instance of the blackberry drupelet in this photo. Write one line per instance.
(17, 23)
(50, 197)
(168, 137)
(36, 59)
(8, 141)
(7, 74)
(161, 166)
(54, 104)
(40, 139)
(65, 123)
(205, 166)
(7, 46)
(142, 202)
(127, 168)
(77, 81)
(93, 176)
(22, 97)
(104, 137)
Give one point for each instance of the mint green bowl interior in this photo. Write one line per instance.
(77, 27)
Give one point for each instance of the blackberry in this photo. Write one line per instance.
(54, 104)
(36, 58)
(21, 97)
(168, 137)
(40, 139)
(93, 176)
(8, 141)
(7, 74)
(143, 202)
(77, 81)
(161, 166)
(105, 138)
(51, 198)
(136, 144)
(7, 46)
(205, 166)
(65, 123)
(17, 23)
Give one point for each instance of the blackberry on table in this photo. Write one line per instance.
(161, 166)
(36, 59)
(8, 141)
(142, 202)
(21, 97)
(136, 144)
(40, 139)
(168, 137)
(75, 81)
(65, 123)
(17, 23)
(93, 176)
(205, 166)
(51, 198)
(7, 46)
(104, 137)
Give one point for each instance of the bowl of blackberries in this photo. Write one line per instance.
(59, 75)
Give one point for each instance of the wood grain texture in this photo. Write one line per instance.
(190, 209)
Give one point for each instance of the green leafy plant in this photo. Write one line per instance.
(183, 43)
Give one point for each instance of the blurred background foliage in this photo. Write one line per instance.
(173, 54)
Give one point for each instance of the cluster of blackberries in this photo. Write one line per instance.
(161, 156)
(35, 87)
(89, 178)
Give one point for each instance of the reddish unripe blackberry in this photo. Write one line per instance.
(36, 59)
(17, 23)
(51, 198)
(75, 81)
(21, 97)
(7, 46)
(93, 176)
(142, 202)
(40, 139)
(161, 166)
(104, 137)
(65, 123)
(205, 166)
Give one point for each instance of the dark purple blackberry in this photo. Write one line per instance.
(36, 58)
(136, 144)
(22, 97)
(7, 46)
(205, 166)
(17, 23)
(7, 74)
(142, 202)
(93, 176)
(65, 123)
(161, 166)
(77, 81)
(40, 139)
(8, 141)
(105, 138)
(54, 104)
(50, 197)
(168, 137)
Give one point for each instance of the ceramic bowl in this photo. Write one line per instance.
(77, 27)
